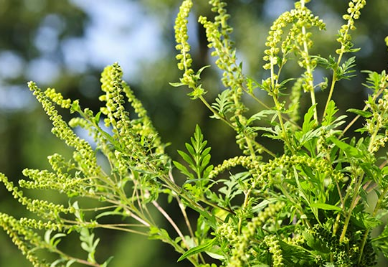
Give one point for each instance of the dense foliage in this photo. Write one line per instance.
(307, 205)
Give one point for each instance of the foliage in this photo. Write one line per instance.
(305, 206)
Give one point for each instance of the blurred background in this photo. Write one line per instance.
(66, 44)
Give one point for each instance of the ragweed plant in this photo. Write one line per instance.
(304, 206)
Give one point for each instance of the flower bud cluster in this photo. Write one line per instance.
(378, 121)
(43, 208)
(58, 98)
(230, 163)
(24, 238)
(137, 140)
(181, 38)
(296, 38)
(273, 171)
(274, 248)
(62, 182)
(353, 13)
(241, 244)
(143, 125)
(84, 153)
(218, 36)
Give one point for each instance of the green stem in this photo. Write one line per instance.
(352, 206)
(333, 82)
(218, 115)
(309, 70)
(284, 131)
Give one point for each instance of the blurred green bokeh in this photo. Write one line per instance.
(42, 39)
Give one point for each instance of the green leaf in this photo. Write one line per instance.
(187, 158)
(183, 169)
(53, 241)
(190, 148)
(197, 249)
(362, 113)
(105, 264)
(374, 80)
(205, 162)
(344, 71)
(365, 220)
(70, 262)
(199, 72)
(348, 149)
(330, 63)
(198, 159)
(223, 103)
(330, 112)
(260, 115)
(177, 84)
(97, 118)
(324, 206)
(108, 213)
(197, 92)
(308, 122)
(283, 83)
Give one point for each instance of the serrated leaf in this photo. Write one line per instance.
(260, 115)
(331, 110)
(183, 169)
(222, 103)
(186, 157)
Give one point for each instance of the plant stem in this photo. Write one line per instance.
(309, 70)
(171, 221)
(352, 206)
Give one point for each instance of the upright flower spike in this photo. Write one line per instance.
(353, 13)
(181, 38)
(143, 125)
(344, 38)
(218, 36)
(135, 137)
